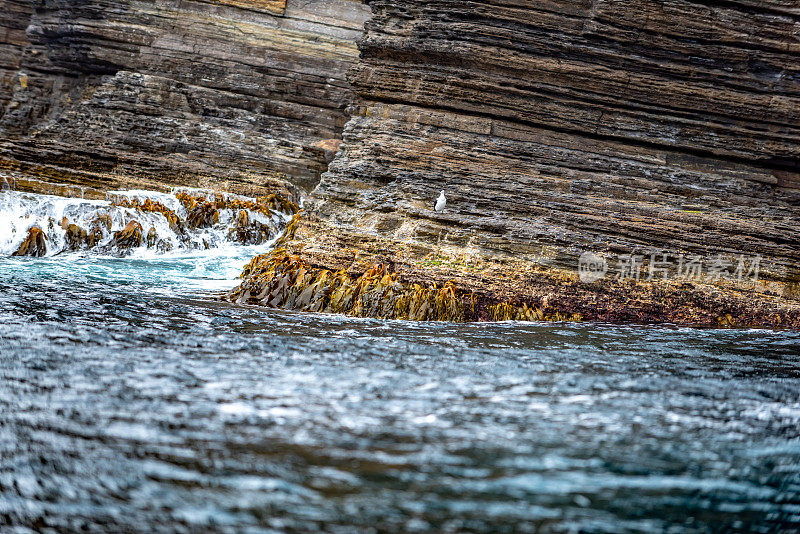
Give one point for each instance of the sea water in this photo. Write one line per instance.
(132, 399)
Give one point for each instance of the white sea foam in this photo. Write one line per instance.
(21, 211)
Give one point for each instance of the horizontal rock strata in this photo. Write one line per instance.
(235, 95)
(557, 128)
(647, 130)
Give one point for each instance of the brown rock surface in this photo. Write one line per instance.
(128, 237)
(558, 128)
(76, 237)
(34, 245)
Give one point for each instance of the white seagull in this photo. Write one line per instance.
(440, 202)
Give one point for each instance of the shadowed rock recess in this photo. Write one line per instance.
(657, 135)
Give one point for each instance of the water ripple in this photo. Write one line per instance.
(130, 401)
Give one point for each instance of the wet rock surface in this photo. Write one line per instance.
(77, 237)
(128, 237)
(34, 245)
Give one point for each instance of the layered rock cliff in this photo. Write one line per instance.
(228, 94)
(662, 137)
(562, 127)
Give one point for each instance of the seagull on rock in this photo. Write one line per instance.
(441, 202)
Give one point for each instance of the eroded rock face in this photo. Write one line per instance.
(558, 128)
(211, 93)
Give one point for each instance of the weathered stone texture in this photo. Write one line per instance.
(560, 127)
(15, 17)
(173, 91)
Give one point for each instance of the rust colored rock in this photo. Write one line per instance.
(129, 237)
(34, 245)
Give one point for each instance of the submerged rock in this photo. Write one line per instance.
(34, 245)
(152, 238)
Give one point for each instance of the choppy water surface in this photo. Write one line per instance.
(130, 400)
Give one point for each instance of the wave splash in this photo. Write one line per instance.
(138, 223)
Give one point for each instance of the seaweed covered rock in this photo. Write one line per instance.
(249, 232)
(266, 205)
(202, 215)
(129, 237)
(76, 237)
(99, 227)
(281, 280)
(34, 245)
(151, 206)
(324, 268)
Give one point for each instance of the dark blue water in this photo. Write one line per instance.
(131, 400)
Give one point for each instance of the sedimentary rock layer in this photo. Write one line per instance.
(16, 16)
(562, 127)
(220, 93)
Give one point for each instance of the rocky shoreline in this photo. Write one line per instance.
(567, 136)
(319, 267)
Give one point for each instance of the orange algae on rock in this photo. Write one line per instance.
(266, 205)
(129, 237)
(282, 280)
(34, 245)
(151, 206)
